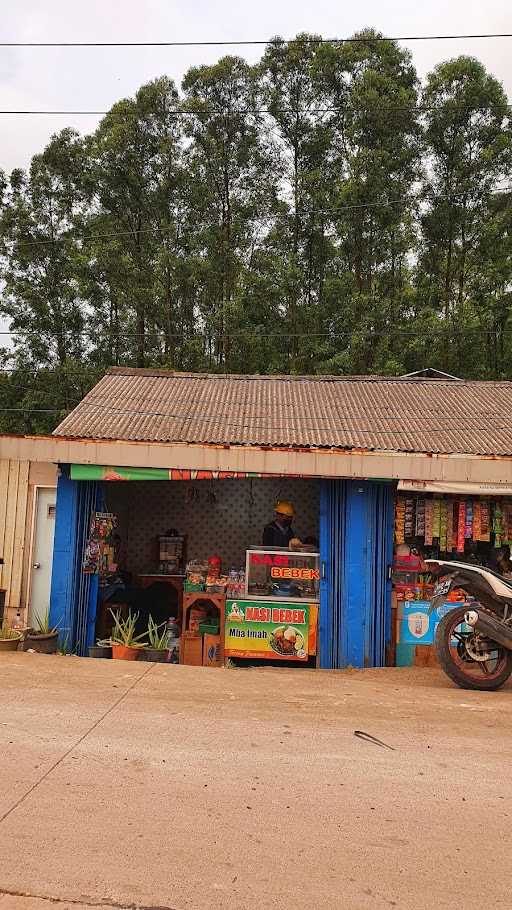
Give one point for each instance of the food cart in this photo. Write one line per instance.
(277, 616)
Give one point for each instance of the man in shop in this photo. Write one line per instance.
(279, 532)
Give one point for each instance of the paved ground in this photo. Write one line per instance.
(155, 786)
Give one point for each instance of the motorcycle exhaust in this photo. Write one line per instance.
(491, 627)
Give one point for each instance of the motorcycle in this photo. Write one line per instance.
(473, 642)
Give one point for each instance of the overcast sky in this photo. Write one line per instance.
(93, 78)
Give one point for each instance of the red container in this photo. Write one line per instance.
(214, 566)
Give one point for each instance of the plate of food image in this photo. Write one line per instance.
(287, 641)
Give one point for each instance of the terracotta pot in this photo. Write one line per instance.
(156, 656)
(42, 643)
(122, 652)
(104, 651)
(9, 644)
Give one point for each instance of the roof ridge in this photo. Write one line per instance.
(290, 377)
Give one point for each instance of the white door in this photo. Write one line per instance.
(42, 551)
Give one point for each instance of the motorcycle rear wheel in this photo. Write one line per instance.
(452, 636)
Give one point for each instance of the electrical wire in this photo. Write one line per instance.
(276, 41)
(248, 333)
(350, 108)
(99, 403)
(331, 427)
(306, 213)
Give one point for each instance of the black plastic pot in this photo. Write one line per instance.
(42, 643)
(155, 656)
(104, 651)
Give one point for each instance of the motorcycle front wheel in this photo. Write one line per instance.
(461, 651)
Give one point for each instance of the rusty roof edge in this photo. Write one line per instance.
(292, 450)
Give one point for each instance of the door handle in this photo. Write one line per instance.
(37, 565)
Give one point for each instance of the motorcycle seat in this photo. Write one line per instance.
(501, 586)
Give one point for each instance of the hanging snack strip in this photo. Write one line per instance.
(485, 521)
(436, 518)
(428, 522)
(420, 518)
(449, 526)
(461, 527)
(497, 524)
(443, 522)
(477, 523)
(409, 520)
(507, 521)
(400, 520)
(468, 530)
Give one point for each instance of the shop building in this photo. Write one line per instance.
(160, 471)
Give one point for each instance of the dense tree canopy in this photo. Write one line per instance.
(321, 211)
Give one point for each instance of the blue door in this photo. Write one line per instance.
(73, 595)
(356, 550)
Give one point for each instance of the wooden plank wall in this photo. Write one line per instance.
(13, 518)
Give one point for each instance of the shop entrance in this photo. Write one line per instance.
(190, 547)
(193, 551)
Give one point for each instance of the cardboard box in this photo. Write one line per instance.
(211, 650)
(191, 649)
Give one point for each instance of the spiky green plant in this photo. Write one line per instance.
(123, 631)
(42, 623)
(157, 640)
(7, 632)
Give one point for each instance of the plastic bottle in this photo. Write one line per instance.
(232, 585)
(173, 641)
(18, 622)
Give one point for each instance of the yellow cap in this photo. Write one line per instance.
(285, 508)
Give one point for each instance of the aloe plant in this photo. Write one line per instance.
(123, 631)
(42, 623)
(157, 640)
(7, 632)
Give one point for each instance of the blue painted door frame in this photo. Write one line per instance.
(356, 550)
(73, 595)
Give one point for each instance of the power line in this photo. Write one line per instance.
(181, 112)
(306, 213)
(355, 39)
(384, 333)
(197, 418)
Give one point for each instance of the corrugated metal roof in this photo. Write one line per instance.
(406, 415)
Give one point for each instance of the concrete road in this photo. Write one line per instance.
(151, 786)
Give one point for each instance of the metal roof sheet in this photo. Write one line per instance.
(375, 413)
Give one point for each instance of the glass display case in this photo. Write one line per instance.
(282, 575)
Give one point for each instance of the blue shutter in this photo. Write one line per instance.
(73, 594)
(356, 547)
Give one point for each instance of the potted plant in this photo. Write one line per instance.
(102, 648)
(126, 645)
(43, 637)
(156, 651)
(9, 638)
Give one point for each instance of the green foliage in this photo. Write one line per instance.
(157, 638)
(318, 212)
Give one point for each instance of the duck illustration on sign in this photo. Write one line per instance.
(236, 614)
